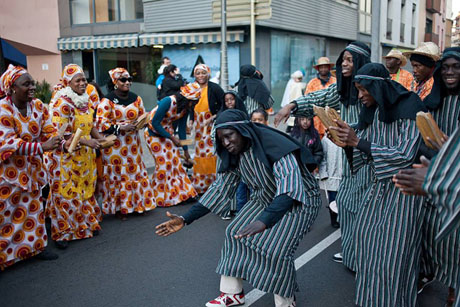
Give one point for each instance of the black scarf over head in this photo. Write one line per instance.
(251, 84)
(423, 59)
(239, 104)
(269, 145)
(361, 56)
(393, 100)
(434, 100)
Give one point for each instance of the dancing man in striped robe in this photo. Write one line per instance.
(260, 242)
(387, 239)
(344, 96)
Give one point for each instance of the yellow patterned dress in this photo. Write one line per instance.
(171, 184)
(204, 170)
(22, 175)
(125, 184)
(71, 202)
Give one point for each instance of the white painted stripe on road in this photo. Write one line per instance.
(256, 294)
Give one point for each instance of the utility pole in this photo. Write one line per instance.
(253, 33)
(375, 32)
(223, 47)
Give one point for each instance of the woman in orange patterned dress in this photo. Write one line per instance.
(125, 184)
(210, 103)
(25, 133)
(171, 184)
(71, 203)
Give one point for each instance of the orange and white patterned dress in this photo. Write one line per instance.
(404, 78)
(71, 202)
(204, 170)
(125, 184)
(171, 184)
(22, 176)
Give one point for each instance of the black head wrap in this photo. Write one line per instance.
(269, 145)
(361, 56)
(393, 100)
(251, 84)
(239, 104)
(423, 59)
(434, 100)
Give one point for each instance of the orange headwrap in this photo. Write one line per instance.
(202, 67)
(67, 74)
(8, 78)
(116, 73)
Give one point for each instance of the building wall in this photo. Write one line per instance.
(399, 14)
(33, 35)
(68, 30)
(45, 67)
(312, 17)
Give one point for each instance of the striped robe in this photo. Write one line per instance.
(251, 104)
(265, 260)
(351, 187)
(387, 238)
(442, 184)
(442, 258)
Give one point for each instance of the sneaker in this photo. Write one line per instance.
(423, 282)
(224, 300)
(338, 258)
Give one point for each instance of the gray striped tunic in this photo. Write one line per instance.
(352, 187)
(388, 236)
(442, 183)
(266, 260)
(442, 257)
(251, 104)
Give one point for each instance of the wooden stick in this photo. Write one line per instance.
(76, 140)
(62, 130)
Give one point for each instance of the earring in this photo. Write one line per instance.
(14, 92)
(115, 87)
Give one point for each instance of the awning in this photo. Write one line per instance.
(149, 39)
(98, 42)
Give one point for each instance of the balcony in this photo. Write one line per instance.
(432, 37)
(433, 6)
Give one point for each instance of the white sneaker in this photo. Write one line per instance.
(338, 258)
(224, 300)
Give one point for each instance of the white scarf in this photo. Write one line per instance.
(80, 101)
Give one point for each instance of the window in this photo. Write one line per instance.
(429, 26)
(365, 10)
(90, 11)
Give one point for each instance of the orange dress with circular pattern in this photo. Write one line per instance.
(71, 203)
(126, 187)
(204, 170)
(171, 184)
(22, 220)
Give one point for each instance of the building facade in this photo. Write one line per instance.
(100, 35)
(29, 39)
(433, 22)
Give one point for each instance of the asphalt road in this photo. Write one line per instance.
(128, 265)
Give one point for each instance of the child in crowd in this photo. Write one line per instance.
(259, 116)
(304, 131)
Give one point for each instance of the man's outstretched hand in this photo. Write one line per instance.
(175, 224)
(251, 229)
(283, 114)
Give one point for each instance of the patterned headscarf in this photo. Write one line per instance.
(68, 73)
(8, 78)
(191, 91)
(116, 73)
(202, 67)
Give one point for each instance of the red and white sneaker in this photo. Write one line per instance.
(224, 300)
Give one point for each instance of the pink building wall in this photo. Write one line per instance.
(32, 26)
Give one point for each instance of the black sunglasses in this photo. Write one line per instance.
(124, 79)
